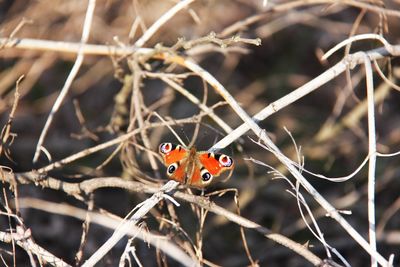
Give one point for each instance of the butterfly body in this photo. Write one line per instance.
(192, 167)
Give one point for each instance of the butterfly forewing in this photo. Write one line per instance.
(172, 153)
(215, 163)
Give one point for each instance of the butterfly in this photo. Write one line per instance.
(192, 167)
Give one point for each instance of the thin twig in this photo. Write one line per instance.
(74, 71)
(136, 108)
(386, 79)
(372, 159)
(359, 4)
(161, 21)
(368, 36)
(71, 47)
(197, 102)
(85, 230)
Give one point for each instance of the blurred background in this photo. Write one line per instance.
(329, 124)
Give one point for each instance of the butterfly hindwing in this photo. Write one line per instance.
(178, 174)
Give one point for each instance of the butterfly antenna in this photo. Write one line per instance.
(198, 120)
(195, 133)
(171, 129)
(186, 137)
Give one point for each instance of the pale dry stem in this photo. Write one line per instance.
(74, 71)
(248, 123)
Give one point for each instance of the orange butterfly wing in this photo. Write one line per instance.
(209, 165)
(216, 163)
(174, 157)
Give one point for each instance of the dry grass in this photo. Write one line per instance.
(89, 91)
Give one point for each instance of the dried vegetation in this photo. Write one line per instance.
(89, 89)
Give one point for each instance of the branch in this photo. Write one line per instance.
(111, 222)
(27, 244)
(90, 186)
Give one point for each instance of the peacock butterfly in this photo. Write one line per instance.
(192, 167)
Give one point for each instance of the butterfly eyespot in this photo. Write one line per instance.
(165, 148)
(225, 161)
(172, 168)
(205, 175)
